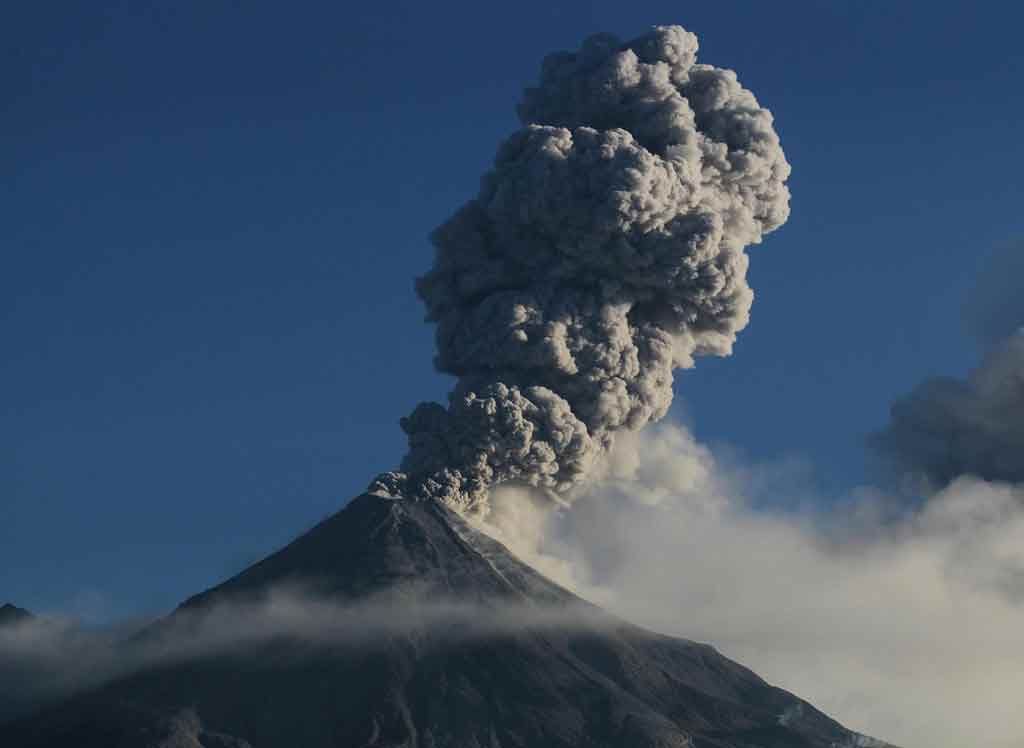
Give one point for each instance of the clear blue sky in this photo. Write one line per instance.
(212, 214)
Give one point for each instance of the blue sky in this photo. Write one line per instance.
(213, 214)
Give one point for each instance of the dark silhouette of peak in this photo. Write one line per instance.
(382, 545)
(526, 665)
(13, 614)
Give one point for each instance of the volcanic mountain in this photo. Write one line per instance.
(512, 660)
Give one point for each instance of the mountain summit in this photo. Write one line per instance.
(515, 661)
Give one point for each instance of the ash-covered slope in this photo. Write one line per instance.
(529, 666)
(381, 545)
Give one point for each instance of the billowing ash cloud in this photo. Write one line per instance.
(605, 249)
(949, 427)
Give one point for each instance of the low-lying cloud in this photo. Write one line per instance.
(43, 660)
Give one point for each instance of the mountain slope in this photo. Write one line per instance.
(530, 665)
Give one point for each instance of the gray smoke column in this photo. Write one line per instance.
(604, 250)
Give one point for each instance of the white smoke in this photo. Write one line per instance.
(906, 627)
(902, 618)
(605, 249)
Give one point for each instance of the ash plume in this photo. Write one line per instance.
(604, 249)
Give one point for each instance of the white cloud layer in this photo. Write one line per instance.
(43, 660)
(908, 628)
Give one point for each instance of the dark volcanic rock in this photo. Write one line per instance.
(592, 682)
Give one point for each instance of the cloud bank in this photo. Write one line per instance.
(605, 249)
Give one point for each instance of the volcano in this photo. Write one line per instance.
(562, 673)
